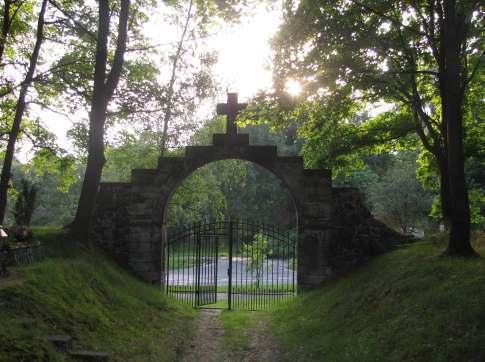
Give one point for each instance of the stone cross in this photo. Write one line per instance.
(231, 110)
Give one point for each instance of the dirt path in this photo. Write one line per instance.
(208, 344)
(263, 346)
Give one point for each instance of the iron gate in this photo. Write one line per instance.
(251, 264)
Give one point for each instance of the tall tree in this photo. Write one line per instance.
(420, 56)
(103, 89)
(454, 28)
(173, 76)
(19, 112)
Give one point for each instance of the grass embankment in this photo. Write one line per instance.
(83, 294)
(408, 305)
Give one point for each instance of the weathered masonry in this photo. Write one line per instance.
(335, 230)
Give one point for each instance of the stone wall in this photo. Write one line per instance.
(111, 226)
(358, 236)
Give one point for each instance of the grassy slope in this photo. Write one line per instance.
(408, 305)
(88, 297)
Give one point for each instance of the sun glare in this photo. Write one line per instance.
(293, 87)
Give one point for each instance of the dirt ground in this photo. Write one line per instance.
(208, 343)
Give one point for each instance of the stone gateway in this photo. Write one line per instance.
(335, 231)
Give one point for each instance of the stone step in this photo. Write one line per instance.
(62, 343)
(89, 356)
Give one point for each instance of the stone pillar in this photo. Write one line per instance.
(110, 228)
(314, 228)
(145, 233)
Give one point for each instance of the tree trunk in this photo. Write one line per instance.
(19, 113)
(92, 175)
(5, 27)
(103, 89)
(444, 191)
(452, 108)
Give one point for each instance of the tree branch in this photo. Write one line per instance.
(475, 69)
(393, 20)
(35, 144)
(51, 109)
(114, 74)
(72, 18)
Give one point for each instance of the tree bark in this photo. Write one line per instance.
(5, 27)
(19, 113)
(103, 90)
(453, 28)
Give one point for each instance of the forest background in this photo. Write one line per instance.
(165, 100)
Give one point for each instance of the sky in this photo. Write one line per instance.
(244, 62)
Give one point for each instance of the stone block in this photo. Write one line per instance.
(168, 164)
(140, 247)
(239, 139)
(143, 177)
(317, 212)
(318, 174)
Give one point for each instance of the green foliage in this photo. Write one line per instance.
(428, 173)
(408, 305)
(63, 166)
(85, 295)
(127, 153)
(21, 17)
(257, 251)
(398, 198)
(231, 188)
(58, 189)
(391, 190)
(197, 198)
(477, 207)
(364, 178)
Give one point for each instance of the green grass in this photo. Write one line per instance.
(249, 288)
(411, 304)
(83, 294)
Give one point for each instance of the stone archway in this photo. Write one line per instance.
(335, 231)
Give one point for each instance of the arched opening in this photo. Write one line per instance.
(230, 237)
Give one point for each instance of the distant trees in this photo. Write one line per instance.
(391, 190)
(57, 182)
(25, 204)
(20, 106)
(232, 189)
(398, 198)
